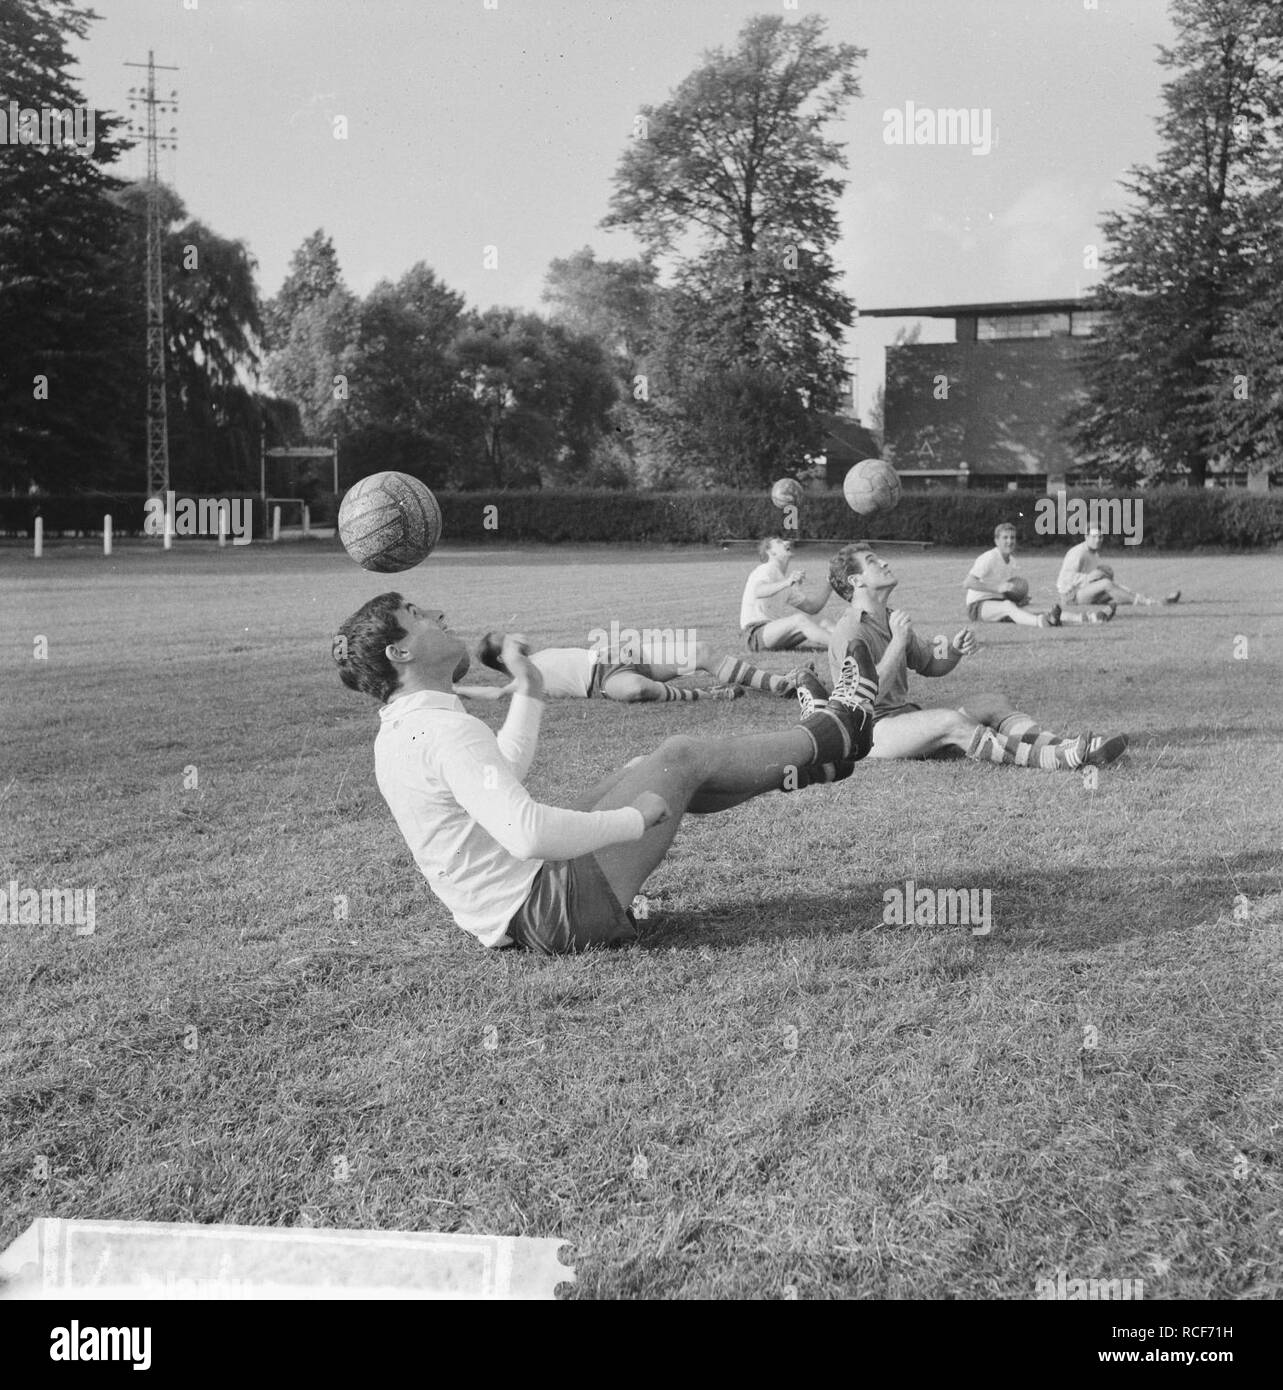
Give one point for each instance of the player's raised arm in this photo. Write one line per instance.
(483, 784)
(519, 736)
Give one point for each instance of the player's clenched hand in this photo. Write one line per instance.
(654, 808)
(901, 624)
(515, 655)
(964, 642)
(797, 578)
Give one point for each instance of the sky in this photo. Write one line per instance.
(499, 123)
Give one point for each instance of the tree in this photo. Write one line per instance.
(737, 163)
(213, 331)
(312, 327)
(616, 304)
(1181, 261)
(408, 409)
(313, 274)
(64, 368)
(541, 396)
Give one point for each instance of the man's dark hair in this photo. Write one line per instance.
(848, 561)
(764, 546)
(360, 645)
(488, 650)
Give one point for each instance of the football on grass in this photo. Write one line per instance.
(389, 522)
(871, 486)
(786, 492)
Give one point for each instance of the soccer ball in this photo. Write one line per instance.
(786, 492)
(1019, 590)
(389, 522)
(871, 486)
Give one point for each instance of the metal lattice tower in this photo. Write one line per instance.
(157, 413)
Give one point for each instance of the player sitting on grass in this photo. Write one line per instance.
(1084, 580)
(579, 673)
(771, 587)
(997, 594)
(515, 872)
(987, 728)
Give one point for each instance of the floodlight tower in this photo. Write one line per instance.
(157, 415)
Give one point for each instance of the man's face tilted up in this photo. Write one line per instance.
(429, 653)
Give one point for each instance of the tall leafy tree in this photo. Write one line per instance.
(64, 369)
(732, 183)
(213, 333)
(312, 326)
(616, 304)
(408, 409)
(1183, 259)
(541, 397)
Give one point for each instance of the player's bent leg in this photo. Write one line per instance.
(1096, 591)
(724, 772)
(1004, 611)
(628, 688)
(919, 733)
(782, 635)
(988, 708)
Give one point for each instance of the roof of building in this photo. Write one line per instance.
(1009, 306)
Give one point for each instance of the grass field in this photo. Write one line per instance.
(775, 1096)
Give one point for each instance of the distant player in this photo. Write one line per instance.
(997, 594)
(770, 589)
(987, 729)
(512, 871)
(579, 673)
(1085, 580)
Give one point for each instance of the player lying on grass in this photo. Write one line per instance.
(997, 594)
(987, 728)
(515, 872)
(1085, 580)
(579, 673)
(769, 589)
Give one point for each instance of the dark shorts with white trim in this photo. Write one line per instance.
(752, 635)
(603, 671)
(571, 907)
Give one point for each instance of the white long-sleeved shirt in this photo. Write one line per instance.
(477, 835)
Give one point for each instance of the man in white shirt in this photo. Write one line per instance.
(1085, 579)
(997, 594)
(769, 589)
(514, 872)
(580, 673)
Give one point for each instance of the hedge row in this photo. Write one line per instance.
(1172, 519)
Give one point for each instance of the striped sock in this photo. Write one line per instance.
(676, 692)
(987, 745)
(1022, 727)
(732, 671)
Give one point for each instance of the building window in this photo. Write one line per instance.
(1021, 326)
(1087, 322)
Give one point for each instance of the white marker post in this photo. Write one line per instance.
(276, 523)
(307, 521)
(168, 536)
(222, 525)
(106, 534)
(40, 536)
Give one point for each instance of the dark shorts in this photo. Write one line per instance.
(571, 908)
(603, 671)
(753, 640)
